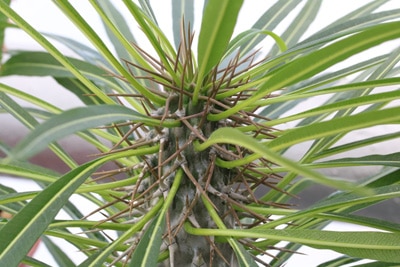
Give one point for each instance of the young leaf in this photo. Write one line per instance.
(217, 26)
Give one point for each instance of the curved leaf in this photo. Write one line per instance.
(22, 231)
(300, 24)
(76, 120)
(52, 50)
(307, 66)
(236, 137)
(44, 64)
(335, 126)
(370, 245)
(269, 21)
(57, 253)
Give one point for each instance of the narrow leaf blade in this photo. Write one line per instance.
(148, 249)
(219, 20)
(22, 231)
(72, 121)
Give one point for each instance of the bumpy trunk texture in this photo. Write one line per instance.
(190, 250)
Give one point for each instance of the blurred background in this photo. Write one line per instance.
(44, 16)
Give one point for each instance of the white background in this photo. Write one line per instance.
(43, 15)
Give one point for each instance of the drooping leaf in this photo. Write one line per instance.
(299, 24)
(268, 21)
(236, 137)
(369, 245)
(335, 126)
(75, 120)
(313, 63)
(30, 122)
(325, 110)
(44, 64)
(340, 201)
(392, 159)
(22, 231)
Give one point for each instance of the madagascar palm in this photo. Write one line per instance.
(197, 135)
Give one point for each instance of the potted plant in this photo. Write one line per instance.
(196, 136)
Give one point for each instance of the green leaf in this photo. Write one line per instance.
(87, 53)
(148, 10)
(251, 34)
(18, 20)
(32, 262)
(26, 119)
(340, 201)
(379, 98)
(244, 257)
(3, 24)
(377, 264)
(57, 253)
(147, 251)
(370, 245)
(22, 231)
(76, 120)
(44, 64)
(13, 206)
(317, 61)
(236, 137)
(148, 248)
(271, 18)
(12, 198)
(335, 126)
(340, 261)
(300, 24)
(79, 89)
(102, 48)
(28, 170)
(349, 26)
(218, 23)
(374, 223)
(156, 37)
(370, 160)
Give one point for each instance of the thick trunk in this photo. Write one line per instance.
(190, 250)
